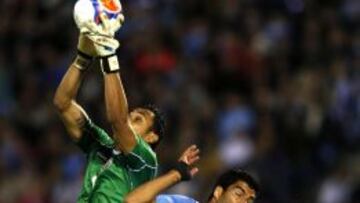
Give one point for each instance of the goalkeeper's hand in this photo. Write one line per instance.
(107, 27)
(98, 41)
(94, 45)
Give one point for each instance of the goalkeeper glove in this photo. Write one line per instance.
(98, 41)
(92, 45)
(107, 27)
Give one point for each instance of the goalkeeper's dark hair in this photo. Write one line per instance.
(158, 123)
(232, 176)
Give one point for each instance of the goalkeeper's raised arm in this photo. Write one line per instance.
(135, 133)
(74, 117)
(130, 129)
(72, 114)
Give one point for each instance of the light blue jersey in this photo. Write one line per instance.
(174, 199)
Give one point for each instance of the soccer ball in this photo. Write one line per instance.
(89, 10)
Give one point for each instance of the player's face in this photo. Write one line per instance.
(142, 121)
(238, 192)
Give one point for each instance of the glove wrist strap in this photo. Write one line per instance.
(109, 64)
(183, 169)
(82, 61)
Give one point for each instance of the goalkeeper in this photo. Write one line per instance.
(117, 164)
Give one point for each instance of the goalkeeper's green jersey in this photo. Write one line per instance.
(109, 174)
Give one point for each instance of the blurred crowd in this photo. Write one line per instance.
(270, 86)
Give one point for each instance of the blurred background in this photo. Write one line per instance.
(271, 86)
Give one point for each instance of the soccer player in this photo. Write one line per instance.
(234, 186)
(116, 164)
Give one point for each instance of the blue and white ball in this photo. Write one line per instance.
(89, 10)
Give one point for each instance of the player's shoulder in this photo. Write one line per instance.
(172, 198)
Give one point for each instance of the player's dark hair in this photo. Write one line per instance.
(158, 123)
(231, 176)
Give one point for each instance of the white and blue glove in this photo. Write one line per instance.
(98, 42)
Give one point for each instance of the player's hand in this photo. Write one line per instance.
(86, 45)
(97, 40)
(107, 27)
(187, 160)
(96, 45)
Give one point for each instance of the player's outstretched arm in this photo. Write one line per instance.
(72, 114)
(147, 192)
(104, 46)
(115, 97)
(70, 111)
(117, 111)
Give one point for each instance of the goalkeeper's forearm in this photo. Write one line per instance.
(71, 113)
(116, 105)
(69, 86)
(115, 100)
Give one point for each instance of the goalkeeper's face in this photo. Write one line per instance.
(142, 121)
